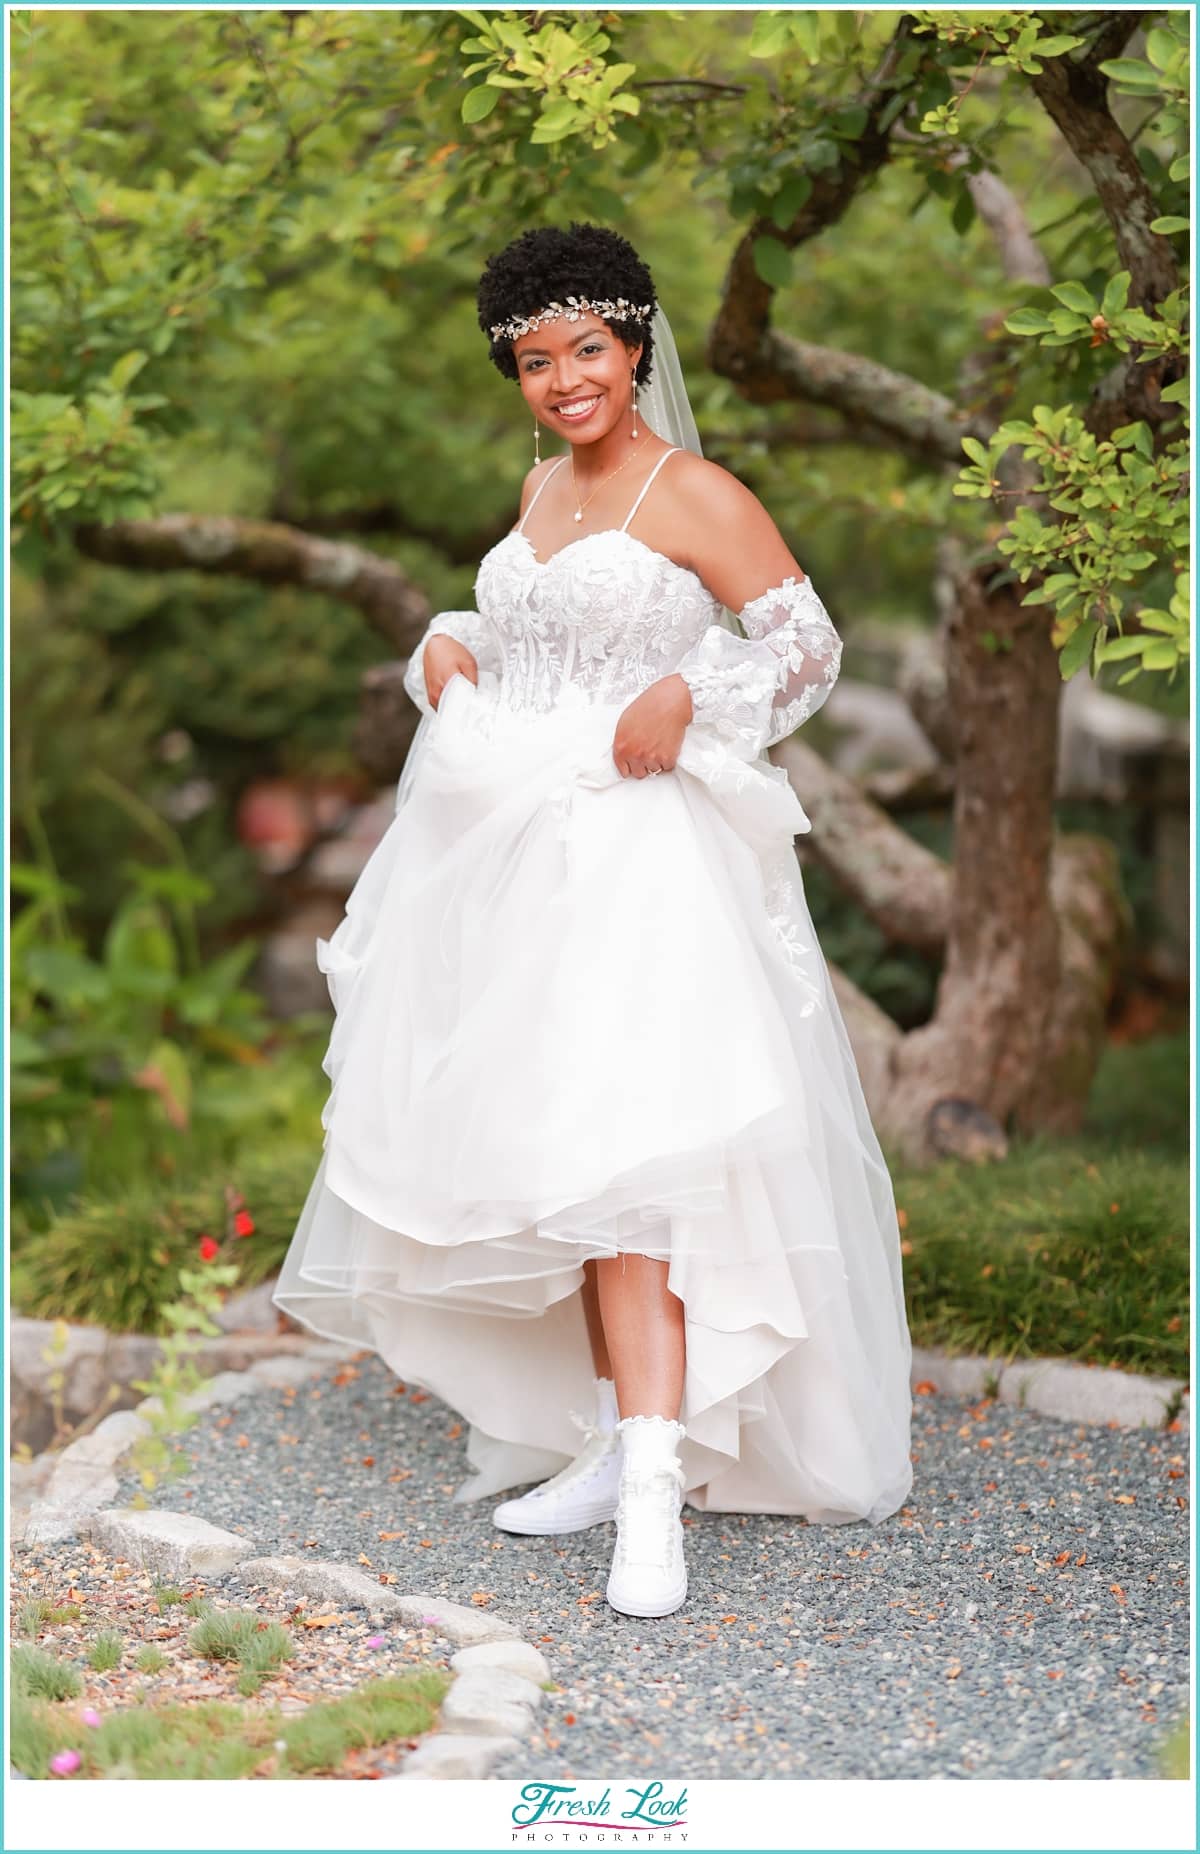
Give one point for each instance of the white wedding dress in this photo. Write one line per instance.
(583, 1015)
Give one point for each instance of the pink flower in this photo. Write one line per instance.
(90, 1716)
(243, 1224)
(64, 1762)
(209, 1249)
(375, 1641)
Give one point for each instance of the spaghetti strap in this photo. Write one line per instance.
(557, 465)
(645, 486)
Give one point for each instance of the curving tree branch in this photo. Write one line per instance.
(273, 555)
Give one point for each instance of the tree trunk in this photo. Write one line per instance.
(999, 984)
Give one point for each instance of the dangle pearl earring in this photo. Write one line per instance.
(537, 440)
(633, 397)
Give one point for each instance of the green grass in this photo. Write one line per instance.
(165, 1595)
(149, 1659)
(1068, 1248)
(1139, 1098)
(241, 1635)
(217, 1740)
(146, 1232)
(40, 1613)
(105, 1652)
(38, 1675)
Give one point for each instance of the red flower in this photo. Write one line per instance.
(243, 1224)
(209, 1249)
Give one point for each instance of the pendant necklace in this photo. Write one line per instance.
(608, 479)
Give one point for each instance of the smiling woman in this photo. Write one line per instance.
(595, 1129)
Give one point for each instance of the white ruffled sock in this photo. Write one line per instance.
(649, 1442)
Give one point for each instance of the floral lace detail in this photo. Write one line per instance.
(780, 896)
(758, 689)
(599, 621)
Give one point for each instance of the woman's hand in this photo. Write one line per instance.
(445, 657)
(650, 731)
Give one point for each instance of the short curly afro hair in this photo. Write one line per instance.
(547, 265)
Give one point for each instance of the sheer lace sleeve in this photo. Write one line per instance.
(470, 629)
(758, 688)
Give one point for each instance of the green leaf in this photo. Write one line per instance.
(792, 195)
(769, 35)
(1116, 649)
(1181, 167)
(1132, 71)
(64, 974)
(773, 262)
(1056, 46)
(1178, 393)
(479, 103)
(1028, 322)
(1077, 649)
(1160, 47)
(963, 212)
(1162, 656)
(976, 450)
(1073, 296)
(1116, 294)
(124, 370)
(1170, 222)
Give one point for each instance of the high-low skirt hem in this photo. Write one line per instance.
(586, 1018)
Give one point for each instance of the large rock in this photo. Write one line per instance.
(447, 1756)
(514, 1657)
(491, 1701)
(343, 1583)
(171, 1545)
(1089, 1393)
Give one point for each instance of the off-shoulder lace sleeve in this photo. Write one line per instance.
(758, 688)
(470, 629)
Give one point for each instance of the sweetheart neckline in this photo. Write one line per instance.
(515, 534)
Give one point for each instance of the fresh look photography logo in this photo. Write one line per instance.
(635, 1814)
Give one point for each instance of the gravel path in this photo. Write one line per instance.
(1024, 1616)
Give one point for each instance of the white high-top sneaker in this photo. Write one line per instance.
(649, 1576)
(582, 1494)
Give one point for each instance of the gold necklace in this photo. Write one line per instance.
(580, 506)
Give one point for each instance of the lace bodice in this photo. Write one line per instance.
(606, 616)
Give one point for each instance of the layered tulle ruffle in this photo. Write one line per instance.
(582, 1016)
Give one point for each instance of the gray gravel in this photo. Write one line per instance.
(1024, 1616)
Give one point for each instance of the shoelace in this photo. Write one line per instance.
(581, 1469)
(648, 1515)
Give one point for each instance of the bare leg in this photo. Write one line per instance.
(643, 1329)
(601, 1363)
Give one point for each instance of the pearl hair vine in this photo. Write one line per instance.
(573, 310)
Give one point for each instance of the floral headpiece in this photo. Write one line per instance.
(574, 309)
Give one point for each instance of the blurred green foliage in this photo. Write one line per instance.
(244, 254)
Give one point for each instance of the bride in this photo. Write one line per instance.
(595, 1133)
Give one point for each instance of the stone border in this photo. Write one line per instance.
(499, 1679)
(1099, 1394)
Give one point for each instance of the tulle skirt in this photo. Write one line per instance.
(584, 1016)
